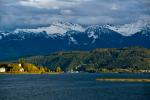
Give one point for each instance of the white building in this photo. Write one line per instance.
(21, 69)
(19, 65)
(2, 69)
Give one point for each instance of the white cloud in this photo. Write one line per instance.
(114, 7)
(32, 13)
(95, 19)
(66, 12)
(52, 4)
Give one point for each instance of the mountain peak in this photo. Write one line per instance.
(56, 27)
(61, 28)
(129, 29)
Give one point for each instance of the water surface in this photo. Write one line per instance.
(72, 87)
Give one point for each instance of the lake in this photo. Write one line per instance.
(72, 87)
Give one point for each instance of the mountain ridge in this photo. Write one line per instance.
(76, 37)
(63, 27)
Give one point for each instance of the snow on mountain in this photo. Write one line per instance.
(72, 40)
(129, 29)
(0, 37)
(98, 29)
(92, 35)
(94, 31)
(55, 27)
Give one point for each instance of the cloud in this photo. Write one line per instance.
(114, 7)
(51, 4)
(66, 12)
(34, 13)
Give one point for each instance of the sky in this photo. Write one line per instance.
(40, 13)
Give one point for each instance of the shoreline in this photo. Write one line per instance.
(73, 73)
(30, 73)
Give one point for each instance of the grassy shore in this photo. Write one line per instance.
(30, 73)
(123, 80)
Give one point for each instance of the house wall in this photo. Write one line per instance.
(2, 70)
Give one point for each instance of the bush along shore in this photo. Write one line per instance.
(26, 68)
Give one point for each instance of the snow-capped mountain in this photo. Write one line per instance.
(56, 27)
(130, 29)
(68, 36)
(60, 28)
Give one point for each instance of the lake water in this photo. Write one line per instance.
(72, 87)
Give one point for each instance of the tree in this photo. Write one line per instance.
(58, 69)
(41, 69)
(14, 68)
(47, 69)
(22, 62)
(31, 68)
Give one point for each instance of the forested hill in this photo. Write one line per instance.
(132, 57)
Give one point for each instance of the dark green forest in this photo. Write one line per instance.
(102, 59)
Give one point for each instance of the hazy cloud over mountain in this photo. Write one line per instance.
(33, 13)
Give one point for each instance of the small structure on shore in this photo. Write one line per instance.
(2, 69)
(21, 69)
(20, 65)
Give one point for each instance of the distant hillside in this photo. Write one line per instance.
(132, 57)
